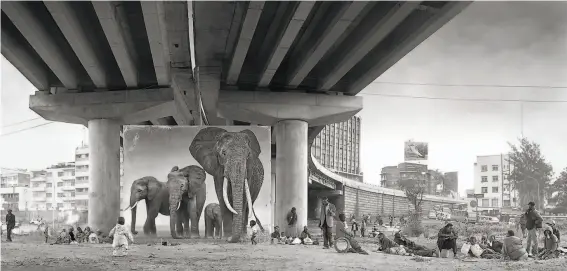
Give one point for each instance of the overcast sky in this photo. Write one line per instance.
(490, 43)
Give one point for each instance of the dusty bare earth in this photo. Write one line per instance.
(28, 253)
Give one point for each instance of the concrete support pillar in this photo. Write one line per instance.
(104, 173)
(291, 171)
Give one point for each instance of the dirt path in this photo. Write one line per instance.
(216, 255)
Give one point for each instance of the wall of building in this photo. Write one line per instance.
(337, 147)
(490, 179)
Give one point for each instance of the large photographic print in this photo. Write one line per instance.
(196, 177)
(415, 151)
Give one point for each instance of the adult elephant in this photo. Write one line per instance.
(232, 159)
(187, 194)
(213, 221)
(156, 196)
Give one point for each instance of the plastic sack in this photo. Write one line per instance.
(308, 241)
(476, 250)
(465, 248)
(296, 241)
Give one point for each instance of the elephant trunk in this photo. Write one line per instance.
(237, 176)
(133, 208)
(174, 204)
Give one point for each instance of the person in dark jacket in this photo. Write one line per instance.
(533, 223)
(292, 223)
(10, 224)
(554, 230)
(447, 239)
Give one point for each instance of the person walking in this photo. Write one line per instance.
(10, 224)
(292, 223)
(327, 221)
(533, 224)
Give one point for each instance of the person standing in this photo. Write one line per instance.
(533, 223)
(10, 224)
(327, 222)
(292, 223)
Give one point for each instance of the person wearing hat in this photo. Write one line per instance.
(555, 230)
(10, 224)
(447, 239)
(533, 223)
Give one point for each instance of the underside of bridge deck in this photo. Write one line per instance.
(285, 64)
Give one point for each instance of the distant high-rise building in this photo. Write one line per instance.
(392, 175)
(491, 179)
(337, 148)
(15, 192)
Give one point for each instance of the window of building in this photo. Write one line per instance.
(72, 194)
(49, 205)
(60, 195)
(49, 195)
(484, 168)
(60, 174)
(484, 189)
(49, 185)
(49, 174)
(59, 205)
(495, 189)
(484, 179)
(485, 202)
(494, 167)
(506, 203)
(494, 202)
(494, 178)
(59, 184)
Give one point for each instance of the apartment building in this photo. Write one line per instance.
(15, 192)
(491, 179)
(337, 148)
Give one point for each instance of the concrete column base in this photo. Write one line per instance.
(104, 174)
(291, 171)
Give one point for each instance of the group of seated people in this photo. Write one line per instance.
(304, 238)
(86, 236)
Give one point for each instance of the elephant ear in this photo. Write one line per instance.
(253, 141)
(195, 176)
(203, 149)
(154, 186)
(175, 168)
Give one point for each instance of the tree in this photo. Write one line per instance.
(558, 191)
(531, 173)
(414, 190)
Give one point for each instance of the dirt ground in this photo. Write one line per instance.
(28, 253)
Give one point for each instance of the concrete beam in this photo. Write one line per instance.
(29, 66)
(113, 21)
(68, 22)
(267, 108)
(185, 96)
(443, 16)
(306, 57)
(154, 18)
(159, 111)
(208, 86)
(284, 41)
(365, 37)
(177, 25)
(251, 18)
(98, 105)
(159, 121)
(41, 41)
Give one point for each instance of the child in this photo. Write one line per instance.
(93, 237)
(121, 236)
(275, 235)
(254, 239)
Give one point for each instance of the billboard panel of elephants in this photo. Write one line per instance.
(187, 173)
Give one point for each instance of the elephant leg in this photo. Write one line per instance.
(179, 224)
(151, 221)
(226, 214)
(218, 229)
(193, 216)
(207, 227)
(147, 227)
(187, 227)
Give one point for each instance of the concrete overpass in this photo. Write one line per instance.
(295, 66)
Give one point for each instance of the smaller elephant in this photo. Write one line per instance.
(213, 221)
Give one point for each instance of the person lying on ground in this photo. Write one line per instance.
(388, 246)
(304, 234)
(513, 248)
(412, 247)
(491, 243)
(121, 236)
(343, 233)
(478, 251)
(447, 239)
(550, 245)
(275, 235)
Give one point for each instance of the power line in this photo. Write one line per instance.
(20, 122)
(469, 85)
(462, 99)
(25, 129)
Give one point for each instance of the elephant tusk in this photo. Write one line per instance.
(131, 207)
(249, 198)
(225, 196)
(178, 205)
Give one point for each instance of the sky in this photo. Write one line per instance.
(490, 43)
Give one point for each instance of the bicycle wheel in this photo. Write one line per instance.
(342, 245)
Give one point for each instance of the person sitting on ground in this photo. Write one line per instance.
(555, 231)
(447, 239)
(121, 236)
(388, 246)
(275, 235)
(380, 220)
(254, 237)
(304, 234)
(550, 245)
(72, 236)
(343, 233)
(481, 251)
(79, 236)
(86, 234)
(494, 244)
(374, 231)
(412, 247)
(63, 238)
(94, 237)
(513, 248)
